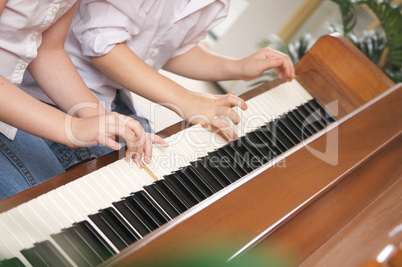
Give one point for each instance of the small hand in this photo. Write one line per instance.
(213, 111)
(265, 59)
(105, 128)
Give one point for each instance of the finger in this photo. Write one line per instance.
(231, 100)
(138, 156)
(224, 127)
(148, 150)
(229, 113)
(289, 69)
(158, 140)
(136, 128)
(111, 143)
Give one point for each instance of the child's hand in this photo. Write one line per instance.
(214, 111)
(265, 59)
(104, 130)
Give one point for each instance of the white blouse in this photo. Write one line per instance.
(21, 25)
(156, 30)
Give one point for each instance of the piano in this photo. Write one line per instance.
(314, 180)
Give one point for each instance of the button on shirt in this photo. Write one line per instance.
(21, 25)
(156, 30)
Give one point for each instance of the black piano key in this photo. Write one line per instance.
(142, 212)
(151, 208)
(265, 135)
(315, 115)
(287, 130)
(207, 175)
(261, 146)
(115, 228)
(214, 161)
(233, 161)
(217, 173)
(305, 124)
(280, 135)
(240, 161)
(269, 130)
(208, 187)
(167, 197)
(199, 185)
(304, 131)
(13, 262)
(292, 127)
(257, 157)
(187, 192)
(245, 155)
(309, 118)
(44, 254)
(229, 166)
(83, 244)
(326, 117)
(244, 151)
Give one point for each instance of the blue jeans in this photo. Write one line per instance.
(71, 156)
(24, 162)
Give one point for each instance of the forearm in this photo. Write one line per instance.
(202, 64)
(58, 78)
(55, 73)
(28, 114)
(131, 72)
(2, 5)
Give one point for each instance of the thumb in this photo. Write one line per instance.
(111, 143)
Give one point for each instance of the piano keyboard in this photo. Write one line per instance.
(86, 221)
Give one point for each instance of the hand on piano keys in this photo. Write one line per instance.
(109, 126)
(265, 59)
(90, 219)
(213, 112)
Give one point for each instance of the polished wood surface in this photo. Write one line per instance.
(302, 202)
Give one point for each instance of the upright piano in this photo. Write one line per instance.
(324, 192)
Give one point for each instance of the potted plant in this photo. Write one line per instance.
(383, 45)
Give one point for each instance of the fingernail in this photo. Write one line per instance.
(147, 160)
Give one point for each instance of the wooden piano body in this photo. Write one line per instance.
(332, 208)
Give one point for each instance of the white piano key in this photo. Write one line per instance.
(198, 139)
(82, 197)
(36, 227)
(163, 160)
(19, 232)
(27, 224)
(53, 220)
(12, 244)
(120, 187)
(124, 178)
(138, 176)
(94, 193)
(5, 253)
(57, 204)
(75, 202)
(78, 211)
(94, 180)
(157, 165)
(100, 179)
(194, 141)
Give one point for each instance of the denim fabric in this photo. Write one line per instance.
(71, 156)
(25, 162)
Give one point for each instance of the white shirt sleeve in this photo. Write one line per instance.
(213, 18)
(103, 24)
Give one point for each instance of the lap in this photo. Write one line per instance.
(24, 162)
